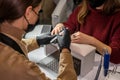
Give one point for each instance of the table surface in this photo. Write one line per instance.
(38, 54)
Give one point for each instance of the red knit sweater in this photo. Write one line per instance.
(104, 28)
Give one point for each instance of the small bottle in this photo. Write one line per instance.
(106, 62)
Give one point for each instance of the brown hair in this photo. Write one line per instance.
(110, 7)
(14, 9)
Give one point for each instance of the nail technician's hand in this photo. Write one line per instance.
(64, 39)
(44, 38)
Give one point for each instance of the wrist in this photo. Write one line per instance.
(65, 50)
(38, 42)
(93, 41)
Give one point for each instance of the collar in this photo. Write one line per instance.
(94, 10)
(11, 30)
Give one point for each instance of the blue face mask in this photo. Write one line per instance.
(96, 3)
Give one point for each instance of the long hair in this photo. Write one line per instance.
(110, 7)
(14, 9)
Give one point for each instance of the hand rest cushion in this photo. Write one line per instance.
(81, 50)
(86, 54)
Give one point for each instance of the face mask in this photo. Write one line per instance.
(96, 3)
(32, 26)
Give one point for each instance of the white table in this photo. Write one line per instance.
(38, 54)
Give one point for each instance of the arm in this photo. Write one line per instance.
(66, 68)
(43, 39)
(83, 38)
(31, 44)
(100, 46)
(113, 47)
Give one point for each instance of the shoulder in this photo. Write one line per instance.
(4, 47)
(6, 50)
(78, 7)
(115, 18)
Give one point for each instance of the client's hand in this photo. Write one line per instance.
(44, 38)
(64, 39)
(57, 29)
(81, 38)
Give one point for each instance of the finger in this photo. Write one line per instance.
(73, 36)
(75, 41)
(53, 32)
(77, 33)
(59, 30)
(56, 31)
